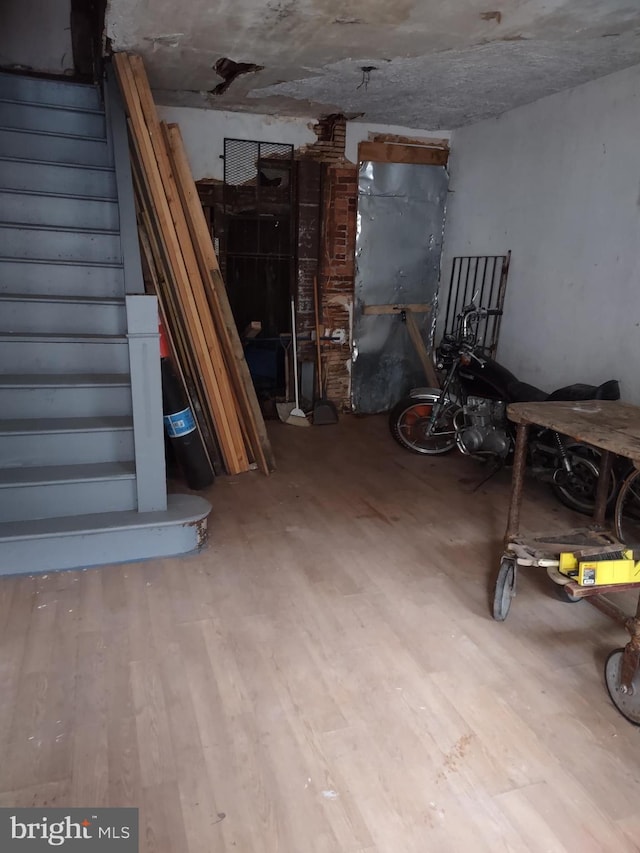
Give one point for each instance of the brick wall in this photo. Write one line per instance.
(335, 265)
(309, 221)
(331, 131)
(337, 269)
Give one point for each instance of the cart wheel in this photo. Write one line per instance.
(505, 589)
(627, 703)
(565, 595)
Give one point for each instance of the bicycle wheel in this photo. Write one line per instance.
(627, 511)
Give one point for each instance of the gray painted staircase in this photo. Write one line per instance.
(81, 448)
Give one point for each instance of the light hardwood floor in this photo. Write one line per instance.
(325, 676)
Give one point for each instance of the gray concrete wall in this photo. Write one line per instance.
(36, 35)
(558, 183)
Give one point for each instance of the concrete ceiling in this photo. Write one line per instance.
(435, 63)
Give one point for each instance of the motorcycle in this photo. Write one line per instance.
(469, 412)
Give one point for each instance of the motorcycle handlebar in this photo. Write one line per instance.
(472, 311)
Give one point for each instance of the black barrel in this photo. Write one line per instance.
(180, 427)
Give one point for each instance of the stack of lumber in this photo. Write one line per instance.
(183, 268)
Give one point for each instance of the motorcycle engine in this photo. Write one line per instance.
(483, 430)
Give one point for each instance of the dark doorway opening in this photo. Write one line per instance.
(258, 263)
(257, 248)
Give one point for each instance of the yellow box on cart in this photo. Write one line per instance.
(591, 571)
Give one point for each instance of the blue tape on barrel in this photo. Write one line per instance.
(180, 423)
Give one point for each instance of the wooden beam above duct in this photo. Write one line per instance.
(417, 155)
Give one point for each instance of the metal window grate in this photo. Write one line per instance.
(258, 164)
(482, 279)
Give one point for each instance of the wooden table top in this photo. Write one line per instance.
(607, 424)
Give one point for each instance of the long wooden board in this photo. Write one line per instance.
(168, 213)
(150, 233)
(191, 289)
(218, 301)
(183, 357)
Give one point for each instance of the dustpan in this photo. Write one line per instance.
(288, 412)
(285, 409)
(324, 411)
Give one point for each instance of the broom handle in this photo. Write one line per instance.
(318, 347)
(295, 351)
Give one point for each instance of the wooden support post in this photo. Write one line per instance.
(517, 482)
(398, 308)
(407, 312)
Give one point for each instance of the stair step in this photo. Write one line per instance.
(74, 299)
(38, 90)
(61, 277)
(63, 353)
(52, 118)
(53, 148)
(65, 441)
(64, 380)
(97, 539)
(65, 395)
(37, 242)
(52, 209)
(83, 473)
(46, 313)
(59, 490)
(78, 181)
(40, 426)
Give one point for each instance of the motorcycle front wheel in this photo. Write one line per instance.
(578, 489)
(409, 422)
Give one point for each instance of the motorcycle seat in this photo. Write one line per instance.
(522, 392)
(607, 391)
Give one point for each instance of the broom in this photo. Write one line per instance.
(294, 416)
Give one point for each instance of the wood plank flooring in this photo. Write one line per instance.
(325, 677)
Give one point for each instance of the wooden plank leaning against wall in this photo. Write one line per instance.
(218, 301)
(193, 287)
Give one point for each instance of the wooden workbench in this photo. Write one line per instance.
(614, 428)
(607, 424)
